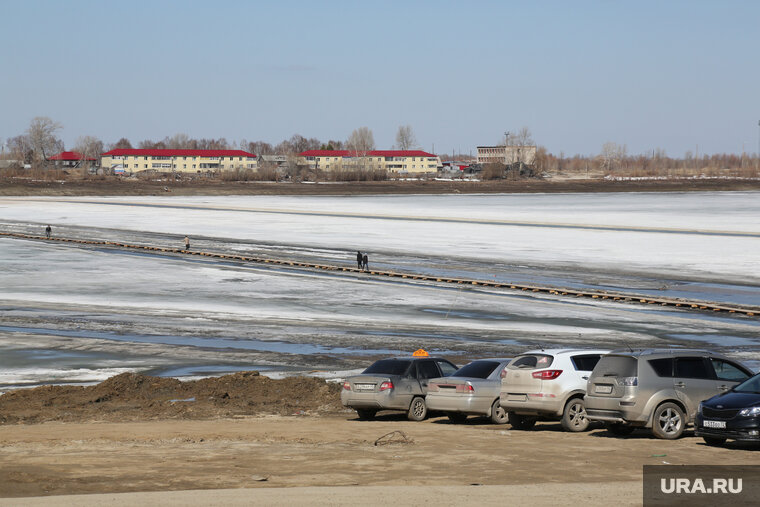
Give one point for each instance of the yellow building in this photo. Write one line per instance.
(184, 161)
(399, 161)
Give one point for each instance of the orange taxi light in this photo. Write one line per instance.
(420, 353)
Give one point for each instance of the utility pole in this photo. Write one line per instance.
(506, 143)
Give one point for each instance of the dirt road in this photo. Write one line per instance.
(334, 450)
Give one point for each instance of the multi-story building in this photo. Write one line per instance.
(399, 161)
(506, 154)
(186, 161)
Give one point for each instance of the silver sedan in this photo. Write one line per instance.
(472, 390)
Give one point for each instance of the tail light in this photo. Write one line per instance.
(628, 381)
(432, 387)
(503, 373)
(386, 385)
(547, 374)
(347, 385)
(465, 388)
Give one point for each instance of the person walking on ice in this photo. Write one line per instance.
(48, 231)
(187, 243)
(359, 259)
(365, 263)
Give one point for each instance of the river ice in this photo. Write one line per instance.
(79, 314)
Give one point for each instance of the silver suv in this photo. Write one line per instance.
(548, 383)
(657, 388)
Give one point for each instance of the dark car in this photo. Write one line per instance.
(398, 383)
(734, 414)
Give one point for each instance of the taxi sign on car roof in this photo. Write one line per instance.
(420, 353)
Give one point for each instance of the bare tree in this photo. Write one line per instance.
(89, 147)
(405, 139)
(361, 140)
(42, 138)
(122, 144)
(522, 138)
(260, 148)
(20, 149)
(178, 141)
(612, 154)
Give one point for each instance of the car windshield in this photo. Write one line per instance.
(751, 385)
(477, 369)
(389, 367)
(616, 366)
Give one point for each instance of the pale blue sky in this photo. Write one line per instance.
(669, 74)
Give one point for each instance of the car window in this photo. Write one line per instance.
(692, 367)
(447, 368)
(427, 369)
(585, 362)
(662, 367)
(389, 367)
(616, 366)
(728, 371)
(477, 369)
(750, 386)
(531, 361)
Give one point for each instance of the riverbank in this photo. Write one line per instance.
(124, 187)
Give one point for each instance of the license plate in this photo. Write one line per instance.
(603, 389)
(714, 424)
(517, 397)
(364, 387)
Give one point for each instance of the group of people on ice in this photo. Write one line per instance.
(362, 261)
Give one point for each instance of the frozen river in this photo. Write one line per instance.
(72, 313)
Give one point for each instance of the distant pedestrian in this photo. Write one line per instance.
(365, 263)
(187, 243)
(359, 259)
(48, 231)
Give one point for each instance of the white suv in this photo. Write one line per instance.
(548, 384)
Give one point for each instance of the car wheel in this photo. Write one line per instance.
(669, 421)
(574, 417)
(714, 440)
(619, 429)
(498, 414)
(457, 418)
(365, 415)
(521, 422)
(417, 410)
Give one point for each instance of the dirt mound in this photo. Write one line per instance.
(134, 397)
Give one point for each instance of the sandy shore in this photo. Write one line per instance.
(265, 453)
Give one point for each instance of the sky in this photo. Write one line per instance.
(677, 75)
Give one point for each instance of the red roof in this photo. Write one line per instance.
(373, 153)
(177, 153)
(70, 155)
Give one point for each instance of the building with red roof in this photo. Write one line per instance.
(71, 159)
(187, 161)
(398, 161)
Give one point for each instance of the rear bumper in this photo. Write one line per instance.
(475, 405)
(612, 410)
(533, 405)
(384, 400)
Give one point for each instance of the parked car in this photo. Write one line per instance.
(548, 384)
(657, 388)
(471, 390)
(398, 383)
(734, 414)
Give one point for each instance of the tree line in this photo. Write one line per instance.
(40, 141)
